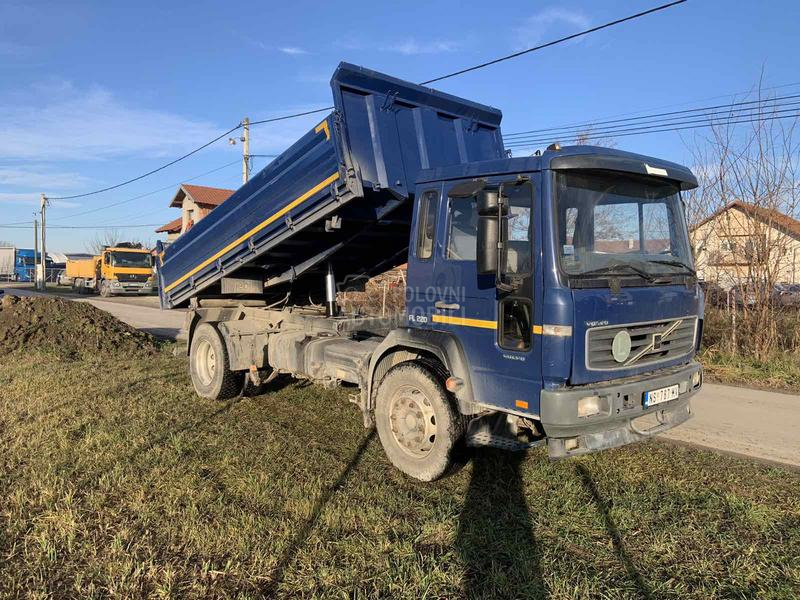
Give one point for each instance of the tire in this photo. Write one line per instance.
(209, 366)
(105, 289)
(419, 428)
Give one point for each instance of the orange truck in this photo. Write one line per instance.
(116, 271)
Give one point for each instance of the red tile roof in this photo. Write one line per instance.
(207, 196)
(171, 227)
(768, 216)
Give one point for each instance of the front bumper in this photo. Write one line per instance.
(624, 419)
(132, 288)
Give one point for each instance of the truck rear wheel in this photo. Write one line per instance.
(419, 428)
(209, 366)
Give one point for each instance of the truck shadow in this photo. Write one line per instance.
(162, 333)
(270, 589)
(604, 509)
(495, 535)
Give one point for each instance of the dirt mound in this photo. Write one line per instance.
(70, 329)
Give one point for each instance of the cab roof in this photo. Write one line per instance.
(568, 157)
(124, 249)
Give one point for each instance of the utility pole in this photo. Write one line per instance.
(35, 249)
(44, 245)
(245, 140)
(245, 150)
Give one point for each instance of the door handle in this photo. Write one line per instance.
(445, 306)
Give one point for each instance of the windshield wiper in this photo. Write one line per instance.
(614, 270)
(674, 263)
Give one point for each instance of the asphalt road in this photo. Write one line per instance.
(754, 423)
(140, 312)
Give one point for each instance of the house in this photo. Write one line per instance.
(743, 243)
(172, 229)
(195, 202)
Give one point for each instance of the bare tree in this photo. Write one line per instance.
(742, 239)
(588, 137)
(107, 238)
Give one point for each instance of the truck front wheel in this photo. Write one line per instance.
(209, 366)
(419, 428)
(105, 289)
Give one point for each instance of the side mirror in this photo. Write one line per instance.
(488, 231)
(487, 251)
(489, 203)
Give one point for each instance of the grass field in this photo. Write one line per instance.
(781, 372)
(116, 481)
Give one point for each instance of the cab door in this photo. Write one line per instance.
(420, 288)
(497, 328)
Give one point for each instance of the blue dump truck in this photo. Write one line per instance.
(551, 299)
(25, 265)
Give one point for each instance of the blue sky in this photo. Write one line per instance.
(92, 93)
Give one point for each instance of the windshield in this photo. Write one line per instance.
(131, 259)
(625, 225)
(27, 261)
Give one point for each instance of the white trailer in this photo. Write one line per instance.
(8, 256)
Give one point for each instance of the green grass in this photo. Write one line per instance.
(781, 372)
(116, 481)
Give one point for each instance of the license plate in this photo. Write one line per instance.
(661, 395)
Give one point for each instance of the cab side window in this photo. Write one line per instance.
(426, 224)
(463, 229)
(517, 229)
(516, 324)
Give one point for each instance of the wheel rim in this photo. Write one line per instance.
(412, 421)
(205, 362)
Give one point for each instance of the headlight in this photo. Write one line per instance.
(696, 378)
(589, 406)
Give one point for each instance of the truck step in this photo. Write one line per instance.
(497, 431)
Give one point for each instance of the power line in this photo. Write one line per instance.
(554, 42)
(440, 78)
(665, 106)
(591, 124)
(166, 187)
(708, 118)
(522, 145)
(293, 116)
(18, 223)
(161, 168)
(86, 226)
(237, 177)
(657, 126)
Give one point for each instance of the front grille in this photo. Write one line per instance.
(677, 344)
(132, 277)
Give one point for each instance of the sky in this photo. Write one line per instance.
(93, 93)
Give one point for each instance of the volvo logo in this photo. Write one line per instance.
(621, 346)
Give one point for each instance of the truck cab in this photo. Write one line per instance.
(567, 283)
(127, 271)
(26, 262)
(115, 271)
